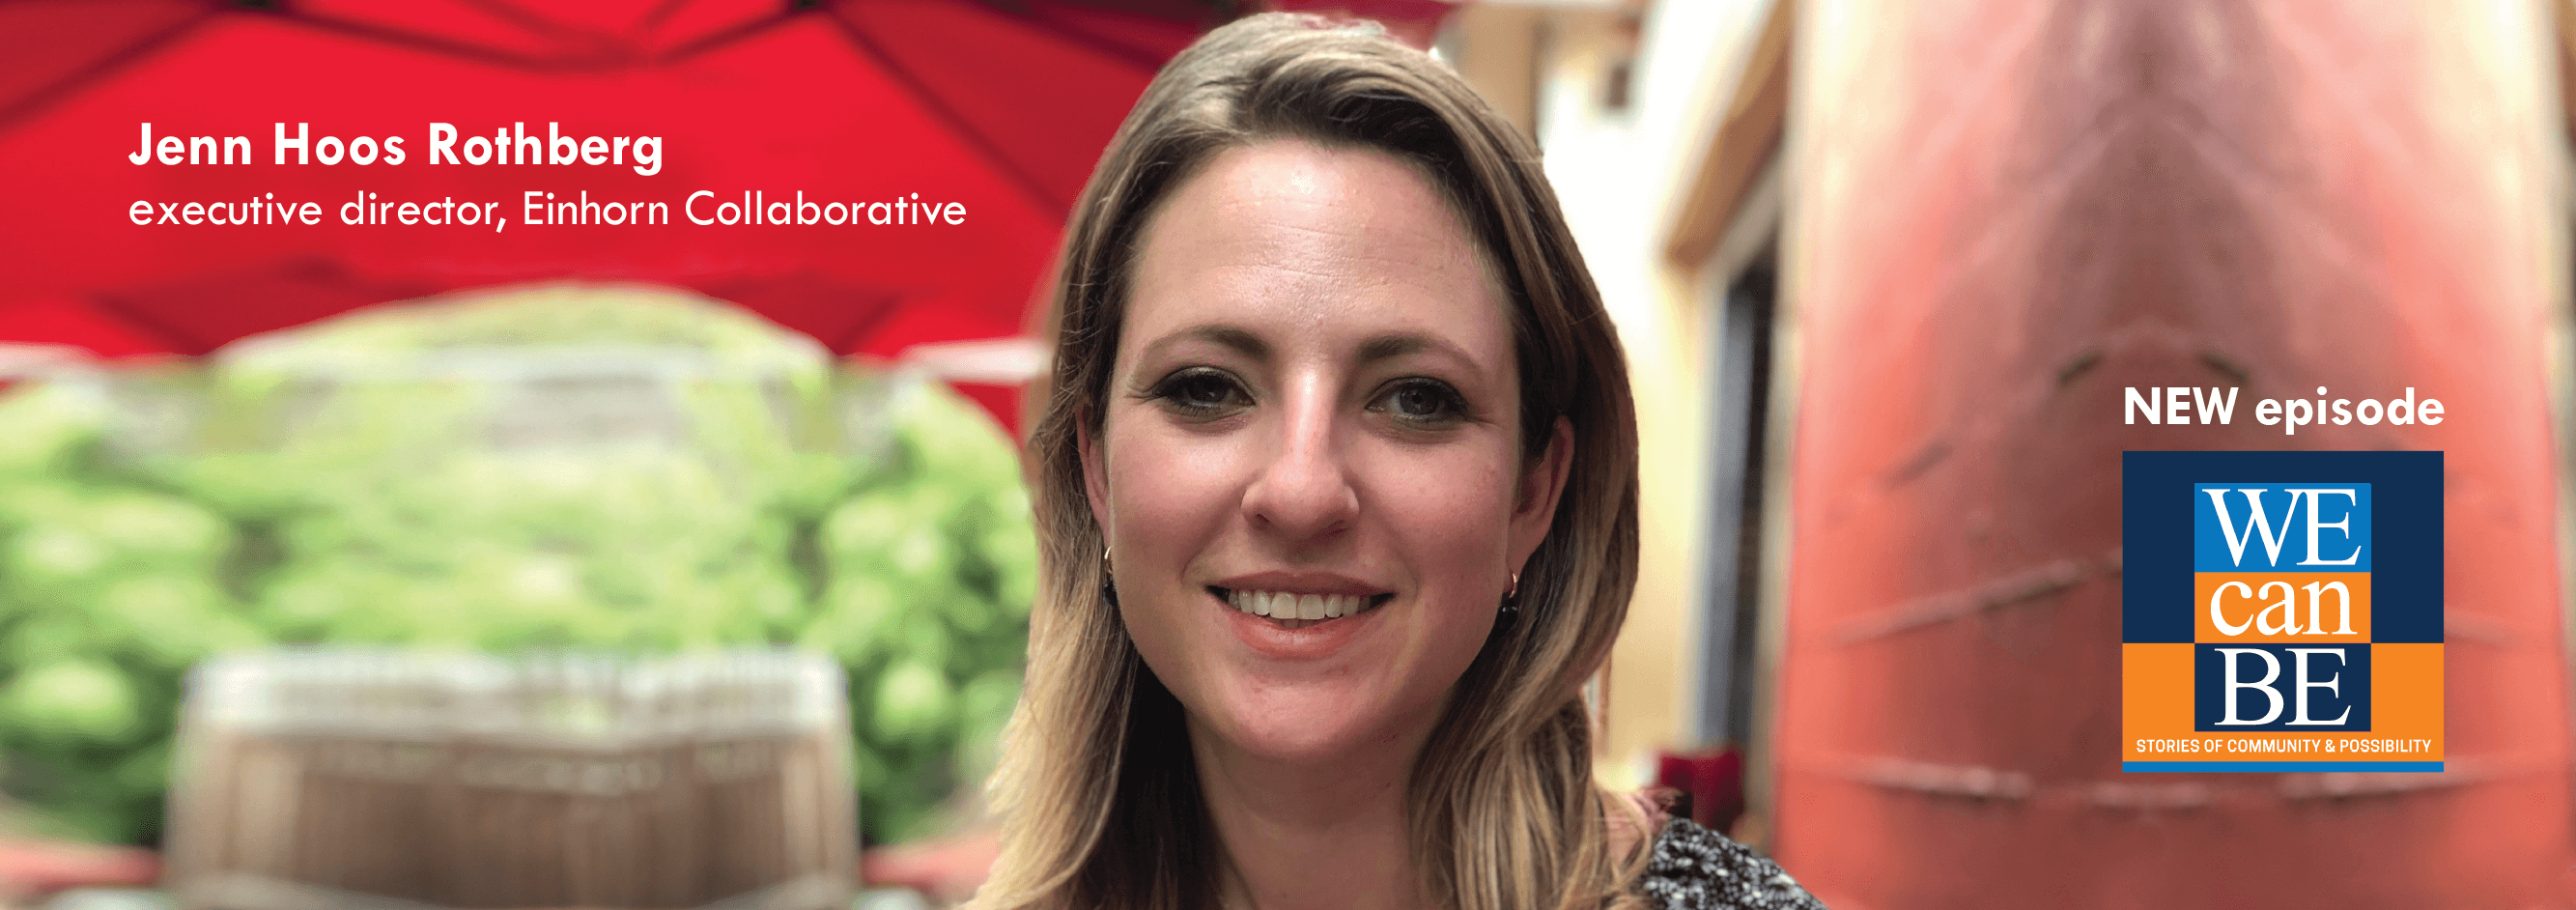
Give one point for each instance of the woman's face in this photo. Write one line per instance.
(1314, 408)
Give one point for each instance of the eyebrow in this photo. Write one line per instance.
(1402, 344)
(1386, 347)
(1244, 342)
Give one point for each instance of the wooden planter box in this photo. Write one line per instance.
(331, 780)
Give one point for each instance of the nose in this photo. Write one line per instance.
(1304, 491)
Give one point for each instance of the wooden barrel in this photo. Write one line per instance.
(387, 780)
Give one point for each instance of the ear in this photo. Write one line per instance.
(1095, 483)
(1535, 506)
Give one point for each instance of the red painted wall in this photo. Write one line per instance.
(2005, 211)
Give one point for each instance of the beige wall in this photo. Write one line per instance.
(1618, 174)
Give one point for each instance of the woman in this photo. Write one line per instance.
(1337, 492)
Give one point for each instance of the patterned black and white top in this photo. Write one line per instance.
(1698, 869)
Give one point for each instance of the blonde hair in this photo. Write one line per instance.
(1101, 802)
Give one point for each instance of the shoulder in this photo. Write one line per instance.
(1693, 868)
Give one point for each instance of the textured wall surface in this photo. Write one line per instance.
(2005, 211)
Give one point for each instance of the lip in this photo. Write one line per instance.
(1315, 642)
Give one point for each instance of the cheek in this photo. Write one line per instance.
(1448, 510)
(1445, 516)
(1169, 496)
(1166, 489)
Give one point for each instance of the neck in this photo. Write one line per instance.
(1312, 833)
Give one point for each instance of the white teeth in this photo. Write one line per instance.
(1282, 605)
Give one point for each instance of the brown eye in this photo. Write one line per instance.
(1201, 392)
(1428, 402)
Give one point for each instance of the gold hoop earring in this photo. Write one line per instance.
(1511, 598)
(1108, 578)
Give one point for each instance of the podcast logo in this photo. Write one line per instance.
(2282, 611)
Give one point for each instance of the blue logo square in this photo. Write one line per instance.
(2281, 527)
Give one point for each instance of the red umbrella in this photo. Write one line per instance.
(976, 121)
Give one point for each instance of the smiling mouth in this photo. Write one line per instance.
(1290, 610)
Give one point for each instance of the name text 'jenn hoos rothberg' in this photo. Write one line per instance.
(514, 145)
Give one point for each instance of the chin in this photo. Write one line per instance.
(1307, 720)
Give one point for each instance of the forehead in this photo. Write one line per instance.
(1287, 237)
